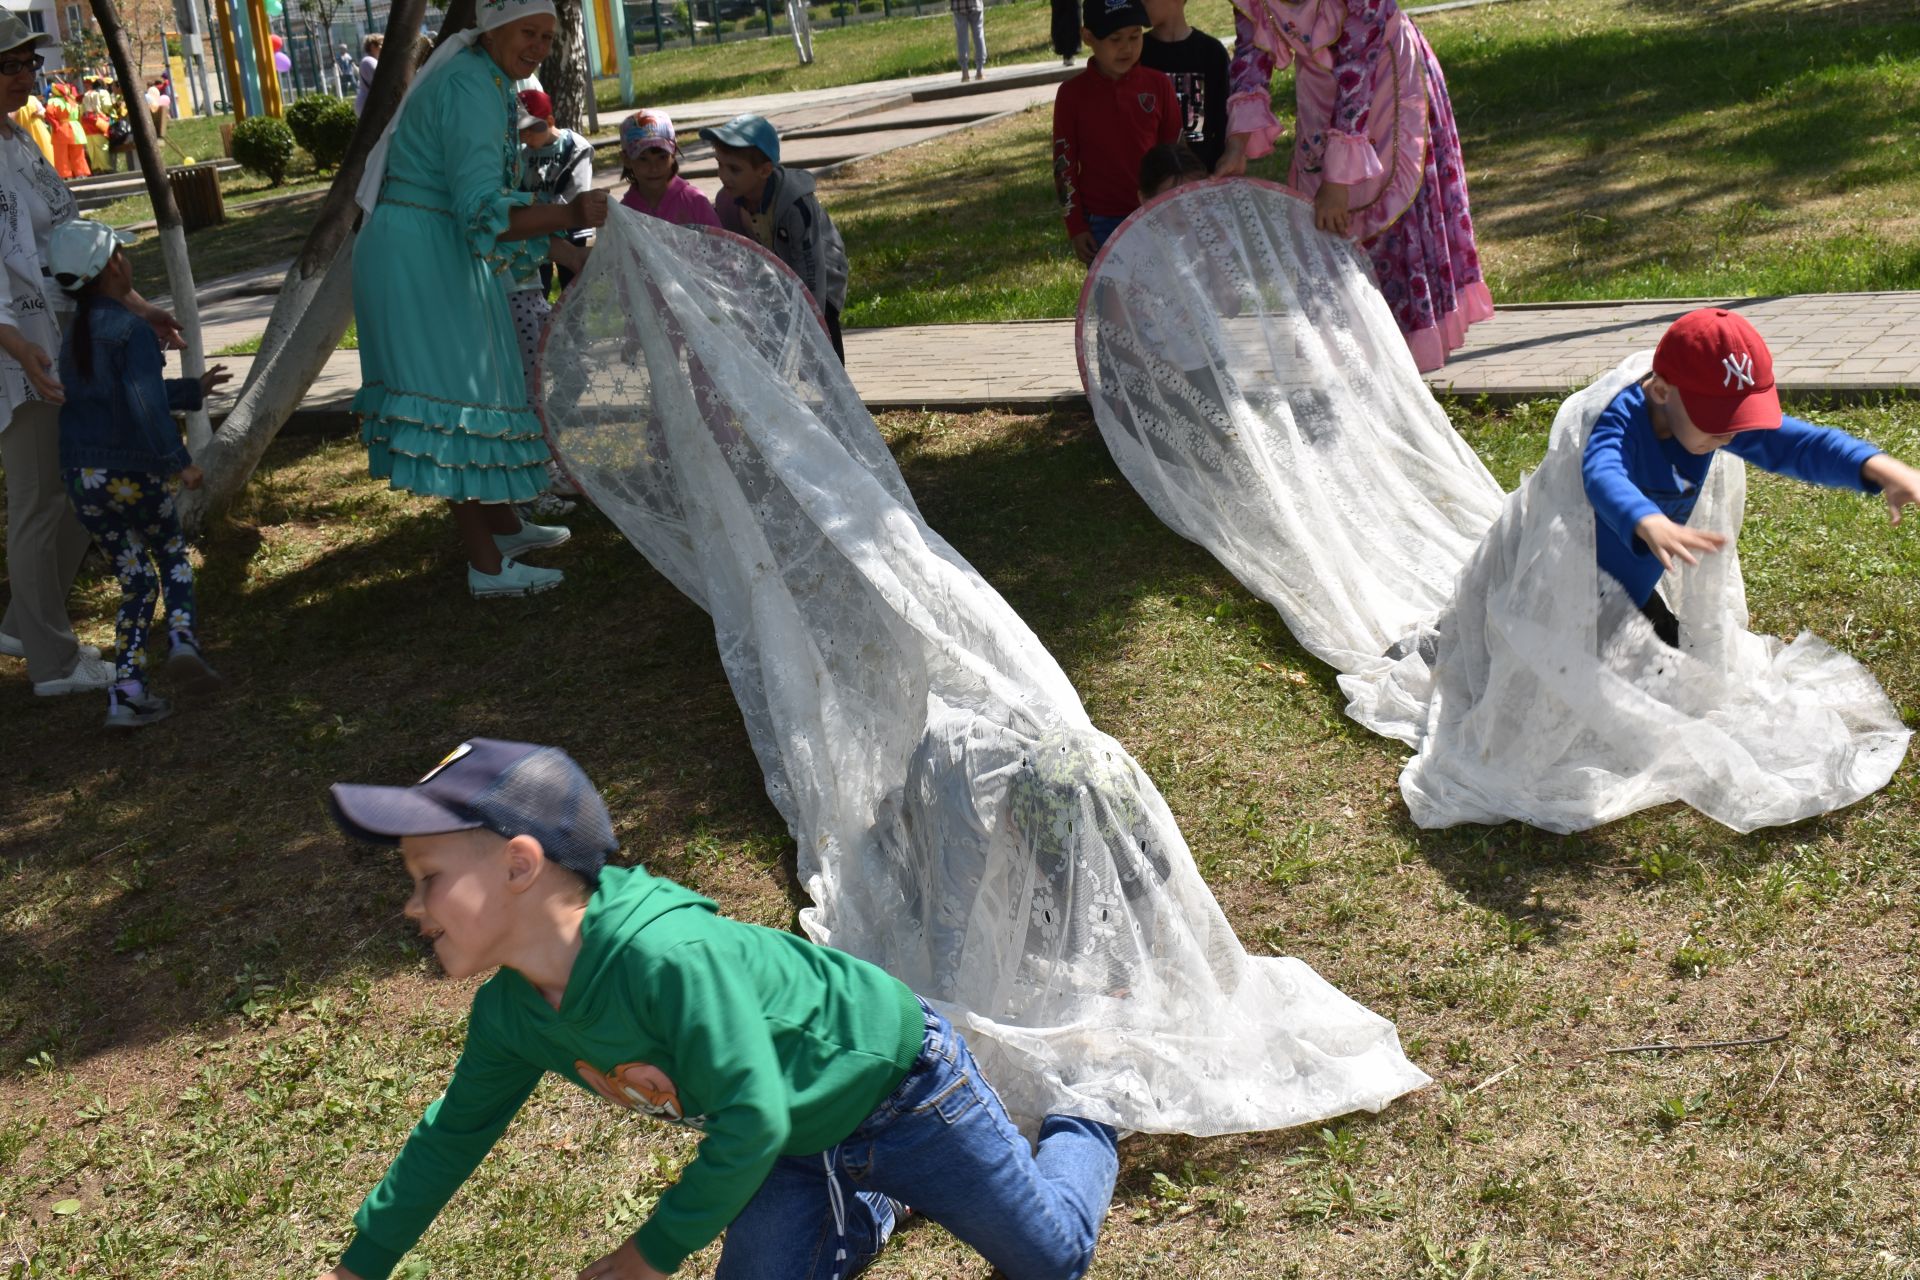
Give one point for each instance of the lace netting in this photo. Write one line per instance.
(1253, 387)
(959, 821)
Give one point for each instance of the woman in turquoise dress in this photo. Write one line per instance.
(444, 406)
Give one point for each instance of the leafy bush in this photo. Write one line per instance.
(264, 145)
(323, 126)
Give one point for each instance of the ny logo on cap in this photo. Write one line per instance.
(1739, 370)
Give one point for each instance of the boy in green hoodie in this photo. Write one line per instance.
(829, 1095)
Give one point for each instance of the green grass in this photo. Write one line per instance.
(1598, 166)
(215, 1027)
(349, 341)
(880, 50)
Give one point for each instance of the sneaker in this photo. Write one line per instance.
(127, 710)
(532, 537)
(10, 647)
(89, 675)
(188, 672)
(514, 579)
(548, 506)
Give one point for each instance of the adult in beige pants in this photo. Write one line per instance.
(45, 540)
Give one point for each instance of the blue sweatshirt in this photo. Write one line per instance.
(1631, 473)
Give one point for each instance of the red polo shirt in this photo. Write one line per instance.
(1101, 130)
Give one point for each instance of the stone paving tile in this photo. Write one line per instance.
(1521, 351)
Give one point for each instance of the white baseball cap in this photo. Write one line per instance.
(80, 250)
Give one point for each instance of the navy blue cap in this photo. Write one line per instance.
(1104, 17)
(747, 131)
(508, 788)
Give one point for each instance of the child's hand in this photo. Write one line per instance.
(1899, 483)
(624, 1263)
(1330, 208)
(192, 477)
(339, 1273)
(1084, 248)
(1233, 157)
(567, 254)
(215, 376)
(1669, 541)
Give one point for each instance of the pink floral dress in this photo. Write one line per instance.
(1371, 112)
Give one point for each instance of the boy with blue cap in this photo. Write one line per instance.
(828, 1094)
(776, 206)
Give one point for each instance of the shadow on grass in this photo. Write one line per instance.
(1714, 127)
(177, 869)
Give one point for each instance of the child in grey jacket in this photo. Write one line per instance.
(777, 207)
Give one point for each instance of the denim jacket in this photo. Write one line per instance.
(121, 418)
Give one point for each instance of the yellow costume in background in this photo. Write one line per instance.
(32, 118)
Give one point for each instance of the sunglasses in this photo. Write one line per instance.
(14, 66)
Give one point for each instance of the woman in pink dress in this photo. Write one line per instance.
(1375, 147)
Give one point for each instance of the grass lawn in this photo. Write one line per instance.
(1596, 169)
(215, 1027)
(1598, 165)
(882, 50)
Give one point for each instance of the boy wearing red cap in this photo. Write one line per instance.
(1647, 456)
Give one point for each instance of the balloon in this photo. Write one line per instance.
(282, 63)
(274, 7)
(278, 44)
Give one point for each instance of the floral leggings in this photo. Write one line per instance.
(131, 515)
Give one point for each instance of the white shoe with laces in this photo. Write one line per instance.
(135, 710)
(514, 579)
(187, 672)
(89, 675)
(10, 647)
(532, 537)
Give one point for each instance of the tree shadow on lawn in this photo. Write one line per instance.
(1042, 512)
(1608, 97)
(168, 862)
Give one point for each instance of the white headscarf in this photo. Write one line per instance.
(492, 13)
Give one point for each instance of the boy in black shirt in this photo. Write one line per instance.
(1197, 65)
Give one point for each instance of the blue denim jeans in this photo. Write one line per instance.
(942, 1144)
(1102, 227)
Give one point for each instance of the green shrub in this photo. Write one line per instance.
(264, 145)
(323, 126)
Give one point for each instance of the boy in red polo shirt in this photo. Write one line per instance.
(1104, 121)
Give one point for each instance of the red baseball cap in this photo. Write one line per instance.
(1723, 371)
(534, 106)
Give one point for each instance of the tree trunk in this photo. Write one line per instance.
(316, 302)
(166, 214)
(564, 73)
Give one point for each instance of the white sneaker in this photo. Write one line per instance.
(10, 647)
(548, 506)
(134, 710)
(514, 579)
(187, 672)
(532, 537)
(89, 675)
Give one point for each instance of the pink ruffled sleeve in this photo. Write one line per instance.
(1250, 104)
(1356, 68)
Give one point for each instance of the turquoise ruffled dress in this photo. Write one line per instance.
(443, 403)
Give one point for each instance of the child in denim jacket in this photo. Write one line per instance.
(119, 449)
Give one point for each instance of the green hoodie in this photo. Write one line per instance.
(766, 1043)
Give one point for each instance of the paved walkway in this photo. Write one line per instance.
(1845, 344)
